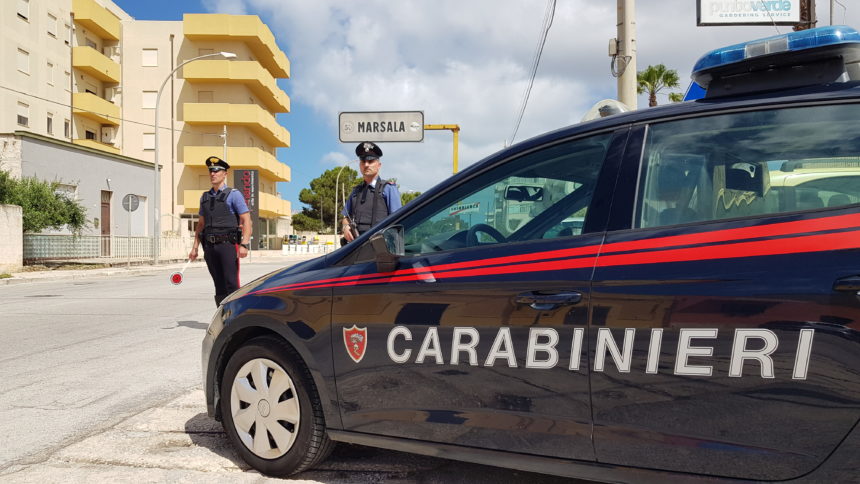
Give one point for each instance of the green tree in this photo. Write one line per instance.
(320, 214)
(407, 197)
(676, 97)
(653, 79)
(41, 205)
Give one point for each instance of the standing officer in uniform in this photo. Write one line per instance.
(372, 200)
(222, 211)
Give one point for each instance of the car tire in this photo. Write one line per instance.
(271, 410)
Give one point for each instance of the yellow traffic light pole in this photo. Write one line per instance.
(455, 128)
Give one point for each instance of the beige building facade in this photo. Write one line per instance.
(85, 74)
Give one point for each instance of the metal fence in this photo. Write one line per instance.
(45, 247)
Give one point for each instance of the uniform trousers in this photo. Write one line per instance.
(222, 259)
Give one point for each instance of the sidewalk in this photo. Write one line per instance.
(257, 256)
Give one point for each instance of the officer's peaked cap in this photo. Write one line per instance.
(367, 149)
(215, 161)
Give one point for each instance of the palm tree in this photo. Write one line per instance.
(676, 97)
(653, 79)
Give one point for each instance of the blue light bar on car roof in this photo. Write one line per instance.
(790, 42)
(795, 59)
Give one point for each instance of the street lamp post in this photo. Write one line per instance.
(156, 220)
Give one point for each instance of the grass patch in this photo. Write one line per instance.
(5, 276)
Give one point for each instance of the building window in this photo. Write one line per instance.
(68, 79)
(52, 26)
(50, 73)
(148, 100)
(67, 128)
(149, 141)
(23, 114)
(149, 58)
(90, 135)
(68, 35)
(23, 61)
(24, 9)
(50, 126)
(91, 43)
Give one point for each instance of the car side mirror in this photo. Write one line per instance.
(387, 247)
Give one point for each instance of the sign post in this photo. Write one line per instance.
(130, 203)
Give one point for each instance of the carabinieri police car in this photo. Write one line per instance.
(660, 294)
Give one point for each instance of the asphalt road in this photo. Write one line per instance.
(101, 383)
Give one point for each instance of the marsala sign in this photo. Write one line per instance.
(248, 182)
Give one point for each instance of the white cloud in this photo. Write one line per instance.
(334, 158)
(468, 63)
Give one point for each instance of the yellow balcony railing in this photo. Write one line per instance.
(96, 19)
(91, 143)
(96, 64)
(270, 205)
(251, 116)
(247, 158)
(244, 28)
(251, 73)
(93, 107)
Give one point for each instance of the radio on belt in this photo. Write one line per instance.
(808, 57)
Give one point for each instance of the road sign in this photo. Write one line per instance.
(130, 202)
(387, 126)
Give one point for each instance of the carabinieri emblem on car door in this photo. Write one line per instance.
(355, 340)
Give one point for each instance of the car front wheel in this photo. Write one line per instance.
(272, 413)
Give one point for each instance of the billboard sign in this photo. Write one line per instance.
(248, 183)
(387, 126)
(747, 12)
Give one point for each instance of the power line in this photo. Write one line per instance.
(547, 23)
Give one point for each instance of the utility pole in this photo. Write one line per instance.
(807, 15)
(624, 57)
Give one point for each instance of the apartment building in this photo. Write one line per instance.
(79, 81)
(213, 106)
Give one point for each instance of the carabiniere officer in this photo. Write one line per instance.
(373, 199)
(224, 229)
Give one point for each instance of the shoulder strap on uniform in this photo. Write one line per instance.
(224, 194)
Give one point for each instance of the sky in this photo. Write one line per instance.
(460, 62)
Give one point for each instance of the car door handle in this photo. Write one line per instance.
(544, 301)
(847, 284)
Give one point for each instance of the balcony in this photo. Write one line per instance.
(251, 73)
(91, 143)
(270, 205)
(96, 19)
(95, 108)
(251, 116)
(243, 28)
(90, 61)
(245, 158)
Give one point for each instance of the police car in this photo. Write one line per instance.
(669, 293)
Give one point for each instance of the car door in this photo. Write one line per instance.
(725, 316)
(469, 340)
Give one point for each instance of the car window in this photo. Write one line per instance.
(540, 195)
(749, 164)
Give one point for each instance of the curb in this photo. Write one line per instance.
(48, 276)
